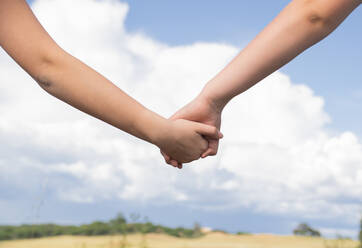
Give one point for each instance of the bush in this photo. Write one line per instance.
(305, 230)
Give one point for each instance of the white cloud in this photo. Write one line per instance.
(277, 155)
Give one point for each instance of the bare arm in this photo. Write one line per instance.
(300, 25)
(70, 80)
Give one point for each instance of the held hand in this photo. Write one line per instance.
(185, 140)
(202, 111)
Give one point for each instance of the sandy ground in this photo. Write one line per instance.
(212, 240)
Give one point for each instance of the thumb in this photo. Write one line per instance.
(209, 152)
(208, 131)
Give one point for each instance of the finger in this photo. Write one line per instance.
(212, 149)
(179, 165)
(166, 157)
(174, 163)
(169, 162)
(208, 131)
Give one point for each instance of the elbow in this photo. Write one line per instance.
(315, 15)
(318, 20)
(47, 68)
(44, 82)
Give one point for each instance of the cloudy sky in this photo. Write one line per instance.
(292, 150)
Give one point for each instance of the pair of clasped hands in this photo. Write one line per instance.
(203, 117)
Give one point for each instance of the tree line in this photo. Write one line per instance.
(118, 225)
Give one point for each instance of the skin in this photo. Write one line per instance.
(70, 80)
(300, 25)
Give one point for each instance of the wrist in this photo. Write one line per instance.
(215, 100)
(153, 127)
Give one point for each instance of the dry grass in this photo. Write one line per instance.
(212, 240)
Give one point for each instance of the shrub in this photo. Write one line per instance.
(305, 230)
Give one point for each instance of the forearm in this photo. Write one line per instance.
(300, 25)
(73, 82)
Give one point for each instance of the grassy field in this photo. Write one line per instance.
(212, 240)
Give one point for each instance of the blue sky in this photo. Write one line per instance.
(332, 69)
